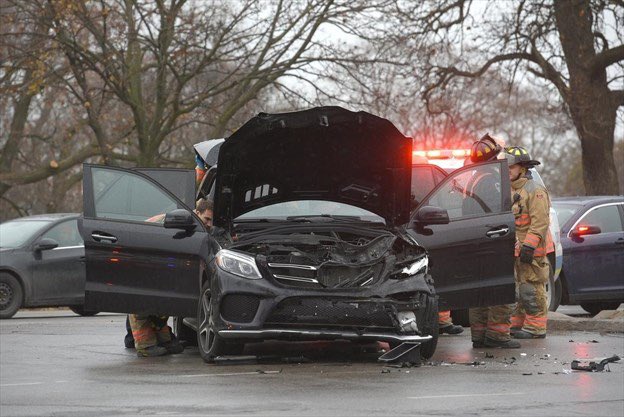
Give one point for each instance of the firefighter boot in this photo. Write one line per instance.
(504, 344)
(173, 346)
(451, 329)
(151, 351)
(523, 334)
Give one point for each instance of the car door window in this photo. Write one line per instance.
(607, 218)
(128, 196)
(66, 234)
(470, 192)
(422, 183)
(438, 175)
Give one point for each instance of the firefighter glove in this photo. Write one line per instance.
(526, 254)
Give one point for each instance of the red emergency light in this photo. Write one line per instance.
(443, 153)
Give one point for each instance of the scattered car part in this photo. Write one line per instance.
(593, 365)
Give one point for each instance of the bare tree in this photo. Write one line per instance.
(565, 43)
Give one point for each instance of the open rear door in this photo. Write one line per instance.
(135, 264)
(472, 257)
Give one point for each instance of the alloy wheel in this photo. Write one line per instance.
(206, 334)
(6, 295)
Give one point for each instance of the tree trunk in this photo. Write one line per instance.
(589, 99)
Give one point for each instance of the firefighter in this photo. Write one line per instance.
(200, 168)
(445, 323)
(531, 208)
(489, 326)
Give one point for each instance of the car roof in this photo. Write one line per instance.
(47, 217)
(589, 200)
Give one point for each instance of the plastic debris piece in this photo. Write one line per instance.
(523, 354)
(541, 373)
(527, 373)
(595, 364)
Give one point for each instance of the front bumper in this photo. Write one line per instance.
(266, 309)
(301, 334)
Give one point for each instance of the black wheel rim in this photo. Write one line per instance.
(205, 332)
(6, 295)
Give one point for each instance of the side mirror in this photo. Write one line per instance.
(431, 215)
(179, 219)
(579, 231)
(46, 244)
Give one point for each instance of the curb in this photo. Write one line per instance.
(558, 321)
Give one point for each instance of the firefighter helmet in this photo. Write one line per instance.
(485, 149)
(519, 155)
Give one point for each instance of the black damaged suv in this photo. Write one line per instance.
(324, 245)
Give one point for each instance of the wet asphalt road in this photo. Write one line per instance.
(56, 363)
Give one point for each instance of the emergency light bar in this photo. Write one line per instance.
(443, 153)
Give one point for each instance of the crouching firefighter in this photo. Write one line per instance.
(531, 209)
(151, 336)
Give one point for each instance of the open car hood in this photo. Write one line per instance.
(325, 153)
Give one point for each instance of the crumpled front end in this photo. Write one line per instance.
(325, 283)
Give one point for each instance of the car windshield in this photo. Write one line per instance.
(565, 211)
(14, 234)
(297, 210)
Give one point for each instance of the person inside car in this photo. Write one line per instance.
(204, 209)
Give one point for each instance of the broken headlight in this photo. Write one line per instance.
(420, 266)
(238, 264)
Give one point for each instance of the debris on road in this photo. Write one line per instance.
(595, 364)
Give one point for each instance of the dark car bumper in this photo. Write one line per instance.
(264, 309)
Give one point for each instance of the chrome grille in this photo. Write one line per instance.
(326, 276)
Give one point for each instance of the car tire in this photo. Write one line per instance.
(209, 343)
(82, 312)
(553, 291)
(595, 308)
(183, 332)
(11, 295)
(430, 325)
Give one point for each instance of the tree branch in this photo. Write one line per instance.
(606, 58)
(20, 178)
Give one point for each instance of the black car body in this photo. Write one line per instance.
(41, 263)
(592, 235)
(318, 203)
